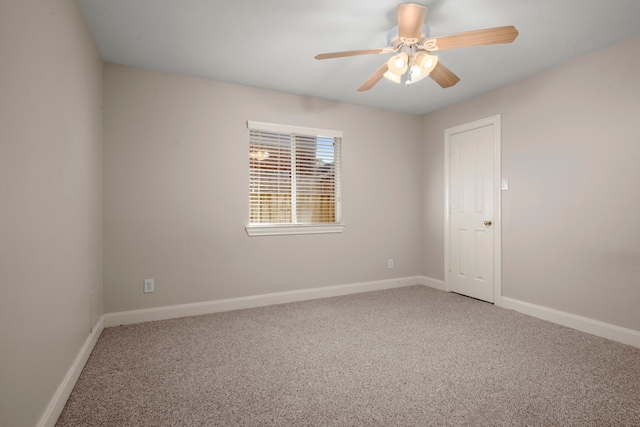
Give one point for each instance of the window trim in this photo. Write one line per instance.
(291, 229)
(272, 127)
(287, 229)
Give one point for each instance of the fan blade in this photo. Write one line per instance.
(443, 76)
(375, 78)
(478, 38)
(349, 53)
(410, 21)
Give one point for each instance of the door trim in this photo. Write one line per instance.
(496, 121)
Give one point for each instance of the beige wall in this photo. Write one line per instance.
(176, 193)
(50, 199)
(571, 151)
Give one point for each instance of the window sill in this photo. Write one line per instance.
(284, 229)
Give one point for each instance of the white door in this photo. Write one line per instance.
(472, 189)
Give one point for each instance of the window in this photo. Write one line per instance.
(294, 180)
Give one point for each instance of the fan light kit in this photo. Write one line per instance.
(412, 46)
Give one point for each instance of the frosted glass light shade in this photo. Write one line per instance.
(425, 62)
(396, 78)
(398, 64)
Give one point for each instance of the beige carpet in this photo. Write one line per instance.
(403, 357)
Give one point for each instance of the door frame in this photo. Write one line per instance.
(496, 121)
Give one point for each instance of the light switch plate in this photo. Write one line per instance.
(504, 184)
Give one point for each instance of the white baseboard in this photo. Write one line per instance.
(434, 283)
(207, 307)
(59, 399)
(584, 324)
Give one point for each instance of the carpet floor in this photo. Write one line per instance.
(411, 356)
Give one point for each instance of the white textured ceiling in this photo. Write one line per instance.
(271, 43)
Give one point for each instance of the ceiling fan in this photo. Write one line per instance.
(412, 46)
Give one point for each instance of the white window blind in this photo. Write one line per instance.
(294, 175)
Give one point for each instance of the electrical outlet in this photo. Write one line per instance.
(390, 263)
(149, 286)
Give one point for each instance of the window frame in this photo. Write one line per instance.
(274, 229)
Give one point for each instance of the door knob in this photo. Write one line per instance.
(487, 223)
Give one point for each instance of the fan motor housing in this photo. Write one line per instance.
(393, 37)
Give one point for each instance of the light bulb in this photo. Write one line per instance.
(398, 64)
(426, 62)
